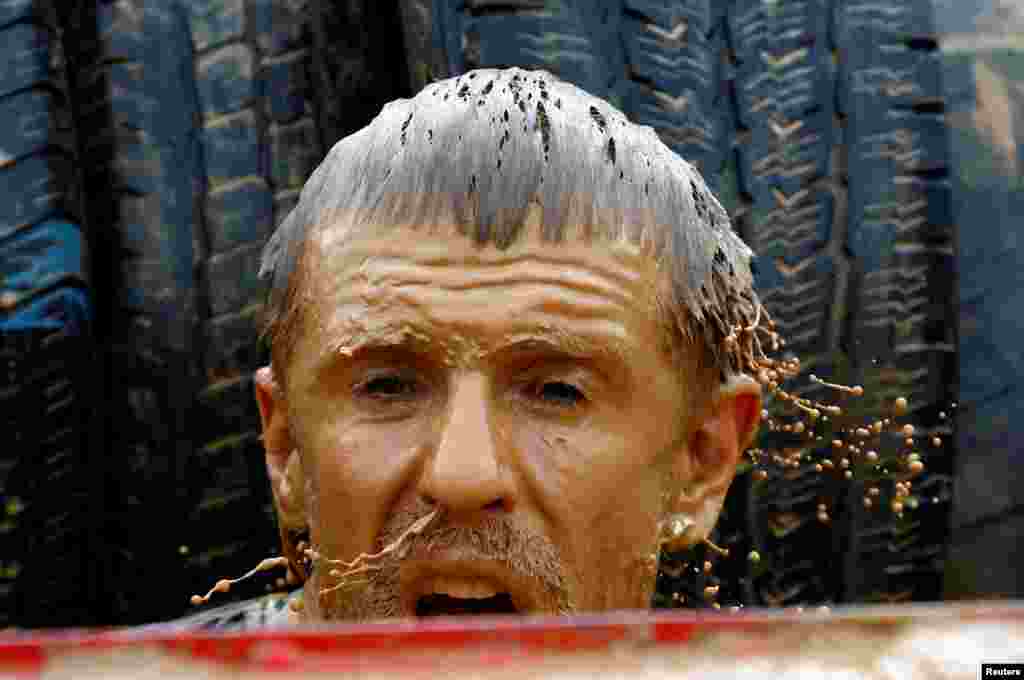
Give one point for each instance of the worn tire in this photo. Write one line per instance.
(191, 125)
(981, 78)
(49, 526)
(819, 124)
(205, 119)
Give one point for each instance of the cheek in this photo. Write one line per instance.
(615, 554)
(357, 471)
(588, 482)
(564, 469)
(616, 498)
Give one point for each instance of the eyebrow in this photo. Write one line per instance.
(416, 339)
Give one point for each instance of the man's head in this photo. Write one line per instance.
(503, 301)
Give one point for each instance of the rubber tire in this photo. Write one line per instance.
(185, 181)
(48, 527)
(980, 72)
(205, 118)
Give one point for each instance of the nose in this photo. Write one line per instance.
(464, 475)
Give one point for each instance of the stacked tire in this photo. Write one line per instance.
(166, 138)
(204, 119)
(980, 56)
(48, 484)
(902, 317)
(139, 150)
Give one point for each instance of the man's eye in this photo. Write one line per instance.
(389, 387)
(559, 393)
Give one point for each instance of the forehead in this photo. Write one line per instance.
(438, 289)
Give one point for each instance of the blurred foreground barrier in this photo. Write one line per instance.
(876, 642)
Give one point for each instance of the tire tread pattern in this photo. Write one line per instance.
(206, 117)
(48, 508)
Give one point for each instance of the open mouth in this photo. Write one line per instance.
(439, 604)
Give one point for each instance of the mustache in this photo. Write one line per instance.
(526, 554)
(495, 539)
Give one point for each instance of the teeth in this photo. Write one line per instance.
(473, 588)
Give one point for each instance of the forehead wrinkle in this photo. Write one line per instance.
(458, 273)
(400, 274)
(627, 267)
(397, 302)
(562, 256)
(543, 304)
(377, 277)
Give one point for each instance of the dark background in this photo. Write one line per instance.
(868, 151)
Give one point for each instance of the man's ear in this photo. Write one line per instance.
(284, 465)
(722, 430)
(273, 418)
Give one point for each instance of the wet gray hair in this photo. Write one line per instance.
(479, 149)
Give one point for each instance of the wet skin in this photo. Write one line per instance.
(522, 388)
